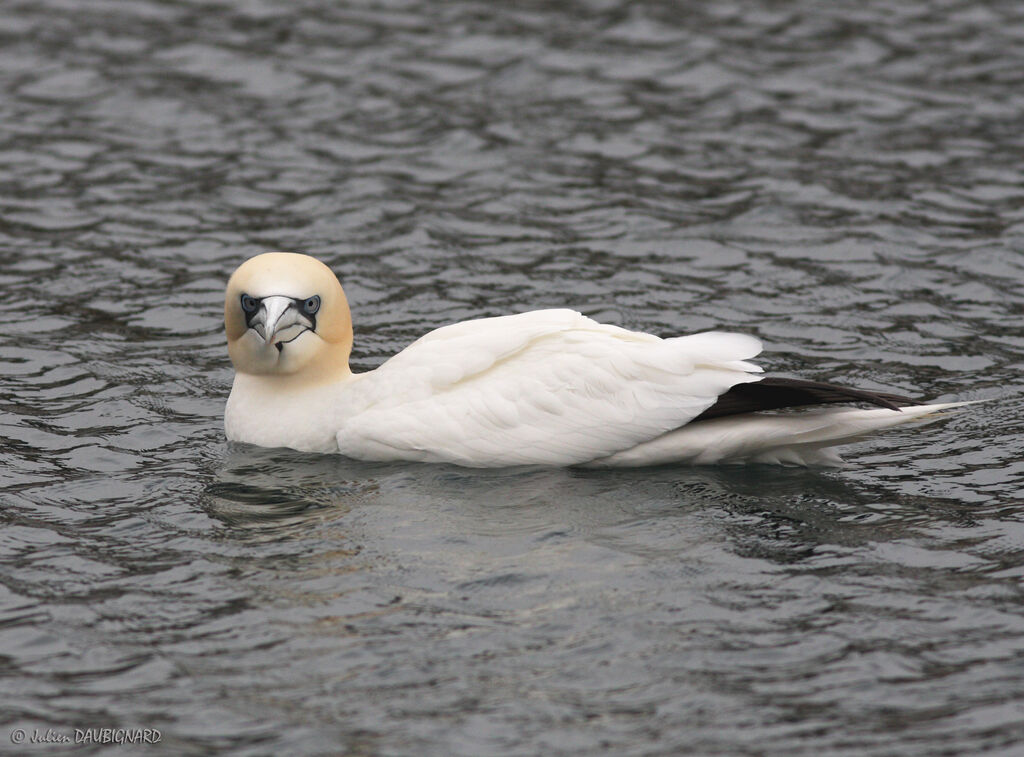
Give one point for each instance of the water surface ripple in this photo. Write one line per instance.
(843, 180)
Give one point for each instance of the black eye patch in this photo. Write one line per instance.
(250, 307)
(250, 304)
(309, 307)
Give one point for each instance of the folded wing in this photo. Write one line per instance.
(550, 386)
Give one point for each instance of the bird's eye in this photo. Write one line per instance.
(249, 304)
(310, 306)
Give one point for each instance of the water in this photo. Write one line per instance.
(842, 180)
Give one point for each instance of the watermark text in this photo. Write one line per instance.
(87, 736)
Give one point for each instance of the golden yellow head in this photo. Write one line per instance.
(286, 314)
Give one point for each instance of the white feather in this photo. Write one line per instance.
(547, 387)
(797, 438)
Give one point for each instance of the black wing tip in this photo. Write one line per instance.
(777, 393)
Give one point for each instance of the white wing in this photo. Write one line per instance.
(802, 438)
(549, 386)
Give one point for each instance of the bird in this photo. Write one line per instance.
(545, 387)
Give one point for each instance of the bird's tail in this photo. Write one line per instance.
(796, 438)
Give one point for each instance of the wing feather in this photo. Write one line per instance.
(550, 387)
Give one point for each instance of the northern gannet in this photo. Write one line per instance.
(548, 387)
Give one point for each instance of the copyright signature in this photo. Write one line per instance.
(87, 736)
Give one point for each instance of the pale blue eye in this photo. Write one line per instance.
(310, 306)
(249, 304)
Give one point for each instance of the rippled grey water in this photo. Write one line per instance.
(842, 179)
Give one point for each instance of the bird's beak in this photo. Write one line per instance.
(278, 320)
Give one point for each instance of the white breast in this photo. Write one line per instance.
(260, 412)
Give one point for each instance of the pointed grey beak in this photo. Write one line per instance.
(278, 314)
(278, 321)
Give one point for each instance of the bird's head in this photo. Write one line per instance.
(286, 314)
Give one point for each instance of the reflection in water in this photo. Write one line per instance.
(840, 180)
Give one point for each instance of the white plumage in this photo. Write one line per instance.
(549, 387)
(546, 387)
(797, 438)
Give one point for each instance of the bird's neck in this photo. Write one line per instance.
(286, 411)
(323, 373)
